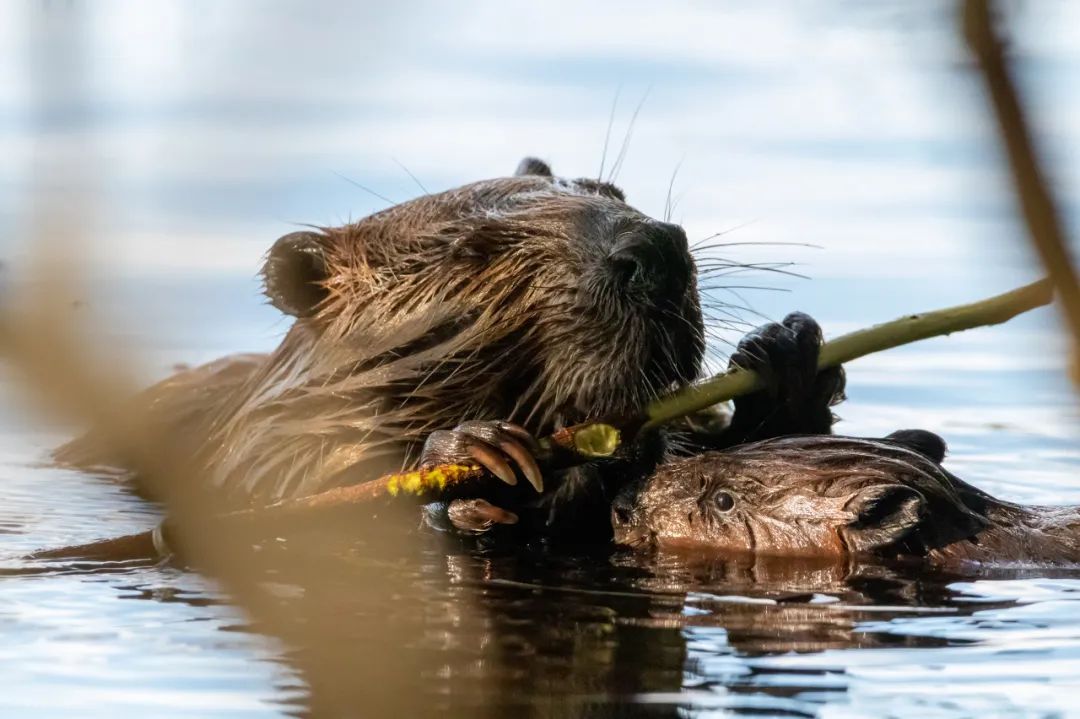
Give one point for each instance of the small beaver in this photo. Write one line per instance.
(838, 496)
(460, 325)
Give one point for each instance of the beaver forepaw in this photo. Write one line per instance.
(470, 517)
(495, 445)
(798, 397)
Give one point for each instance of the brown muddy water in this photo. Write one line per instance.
(202, 131)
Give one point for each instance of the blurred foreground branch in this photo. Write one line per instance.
(340, 574)
(1036, 200)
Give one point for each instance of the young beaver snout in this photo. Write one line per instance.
(838, 496)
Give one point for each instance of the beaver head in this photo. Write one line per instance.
(805, 496)
(532, 298)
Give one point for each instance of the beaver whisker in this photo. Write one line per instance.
(710, 269)
(721, 327)
(650, 391)
(669, 208)
(714, 272)
(715, 280)
(760, 288)
(715, 362)
(368, 190)
(733, 307)
(755, 243)
(728, 321)
(760, 268)
(697, 243)
(617, 165)
(535, 395)
(719, 318)
(716, 260)
(670, 360)
(674, 314)
(717, 329)
(725, 307)
(607, 134)
(411, 175)
(720, 267)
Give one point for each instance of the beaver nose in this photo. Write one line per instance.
(622, 510)
(623, 527)
(652, 258)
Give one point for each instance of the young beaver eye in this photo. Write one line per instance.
(725, 502)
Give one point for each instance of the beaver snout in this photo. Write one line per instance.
(651, 259)
(626, 531)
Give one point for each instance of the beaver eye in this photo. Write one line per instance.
(725, 502)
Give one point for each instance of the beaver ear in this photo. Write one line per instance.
(533, 166)
(294, 273)
(885, 515)
(925, 443)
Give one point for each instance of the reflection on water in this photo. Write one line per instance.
(215, 127)
(595, 634)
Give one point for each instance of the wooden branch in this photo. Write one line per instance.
(1033, 192)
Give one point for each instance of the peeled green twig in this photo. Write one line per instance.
(878, 338)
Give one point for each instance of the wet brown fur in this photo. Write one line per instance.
(483, 302)
(825, 495)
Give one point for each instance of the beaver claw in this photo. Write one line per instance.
(476, 516)
(466, 516)
(799, 397)
(494, 445)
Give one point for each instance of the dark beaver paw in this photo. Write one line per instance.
(494, 445)
(798, 397)
(498, 447)
(466, 516)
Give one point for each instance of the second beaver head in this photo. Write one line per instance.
(807, 496)
(530, 298)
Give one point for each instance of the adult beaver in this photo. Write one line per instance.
(461, 325)
(834, 496)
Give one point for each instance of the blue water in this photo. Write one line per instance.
(201, 131)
